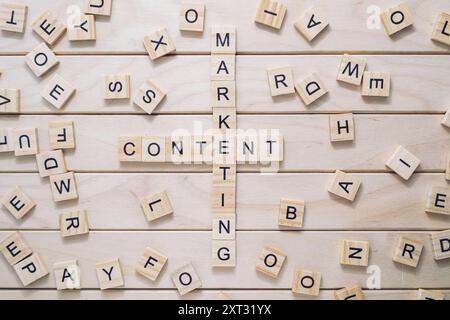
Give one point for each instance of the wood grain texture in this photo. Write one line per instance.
(385, 202)
(184, 246)
(419, 84)
(306, 141)
(131, 20)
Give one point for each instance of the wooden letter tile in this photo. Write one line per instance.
(31, 269)
(130, 149)
(396, 18)
(224, 226)
(281, 81)
(192, 16)
(441, 244)
(159, 44)
(63, 187)
(291, 213)
(349, 293)
(50, 163)
(224, 118)
(179, 149)
(223, 253)
(351, 70)
(73, 223)
(344, 185)
(186, 279)
(48, 27)
(117, 86)
(6, 140)
(270, 261)
(311, 24)
(202, 148)
(311, 88)
(18, 203)
(67, 275)
(430, 295)
(98, 7)
(9, 100)
(224, 174)
(81, 27)
(156, 206)
(271, 147)
(151, 263)
(223, 40)
(224, 148)
(354, 253)
(154, 149)
(441, 32)
(25, 141)
(223, 199)
(408, 251)
(13, 17)
(376, 84)
(223, 67)
(41, 59)
(223, 94)
(438, 200)
(247, 148)
(61, 135)
(14, 248)
(109, 274)
(58, 91)
(148, 96)
(403, 162)
(306, 282)
(446, 119)
(342, 127)
(270, 13)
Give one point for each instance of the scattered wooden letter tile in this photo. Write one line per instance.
(202, 148)
(41, 59)
(192, 16)
(306, 282)
(154, 149)
(344, 185)
(50, 163)
(291, 213)
(396, 18)
(223, 94)
(403, 162)
(156, 206)
(446, 119)
(354, 253)
(31, 269)
(109, 274)
(224, 118)
(223, 253)
(186, 279)
(408, 251)
(224, 226)
(270, 13)
(13, 17)
(342, 127)
(130, 149)
(311, 88)
(179, 149)
(441, 244)
(224, 148)
(61, 135)
(98, 7)
(311, 24)
(349, 293)
(25, 141)
(63, 187)
(271, 147)
(6, 140)
(223, 40)
(430, 295)
(148, 96)
(9, 100)
(270, 261)
(48, 27)
(81, 27)
(441, 32)
(151, 263)
(281, 81)
(223, 67)
(247, 148)
(376, 84)
(159, 44)
(67, 275)
(14, 248)
(18, 203)
(117, 86)
(58, 91)
(223, 199)
(438, 200)
(224, 174)
(351, 70)
(73, 223)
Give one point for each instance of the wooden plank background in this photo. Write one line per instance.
(385, 207)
